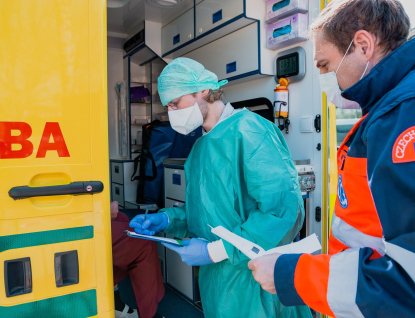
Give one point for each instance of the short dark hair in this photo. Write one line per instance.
(385, 19)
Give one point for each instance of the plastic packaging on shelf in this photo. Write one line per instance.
(287, 31)
(139, 94)
(278, 9)
(122, 118)
(141, 120)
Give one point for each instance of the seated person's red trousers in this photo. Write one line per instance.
(139, 260)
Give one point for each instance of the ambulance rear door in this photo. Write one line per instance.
(55, 239)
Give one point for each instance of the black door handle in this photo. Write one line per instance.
(74, 188)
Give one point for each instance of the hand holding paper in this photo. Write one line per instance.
(263, 262)
(309, 244)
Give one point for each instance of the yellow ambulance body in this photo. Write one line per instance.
(55, 238)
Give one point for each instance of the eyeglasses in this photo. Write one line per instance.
(172, 105)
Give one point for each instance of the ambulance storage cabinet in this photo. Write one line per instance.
(229, 57)
(122, 188)
(178, 32)
(144, 103)
(179, 275)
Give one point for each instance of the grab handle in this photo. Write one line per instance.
(74, 188)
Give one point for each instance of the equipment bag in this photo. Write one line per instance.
(159, 141)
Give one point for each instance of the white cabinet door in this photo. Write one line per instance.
(179, 274)
(174, 184)
(177, 32)
(117, 193)
(212, 13)
(232, 55)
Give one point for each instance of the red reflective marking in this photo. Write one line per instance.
(404, 148)
(59, 145)
(7, 140)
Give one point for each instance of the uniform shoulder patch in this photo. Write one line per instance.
(404, 148)
(341, 194)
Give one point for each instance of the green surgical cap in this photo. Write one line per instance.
(185, 76)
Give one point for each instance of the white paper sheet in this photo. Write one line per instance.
(309, 244)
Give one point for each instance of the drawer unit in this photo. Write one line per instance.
(117, 193)
(122, 188)
(117, 172)
(175, 184)
(230, 56)
(213, 13)
(180, 276)
(177, 32)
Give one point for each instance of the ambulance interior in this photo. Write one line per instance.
(241, 41)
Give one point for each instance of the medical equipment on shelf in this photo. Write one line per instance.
(287, 31)
(122, 118)
(281, 106)
(278, 9)
(306, 176)
(310, 244)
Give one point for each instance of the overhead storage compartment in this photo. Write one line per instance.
(213, 13)
(177, 32)
(230, 57)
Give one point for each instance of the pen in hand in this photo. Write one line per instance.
(145, 215)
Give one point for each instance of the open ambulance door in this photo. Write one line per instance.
(55, 239)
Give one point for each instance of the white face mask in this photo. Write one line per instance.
(184, 121)
(330, 86)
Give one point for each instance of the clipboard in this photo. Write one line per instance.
(153, 238)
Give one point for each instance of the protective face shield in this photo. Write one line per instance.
(184, 121)
(330, 85)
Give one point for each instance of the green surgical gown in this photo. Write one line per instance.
(241, 176)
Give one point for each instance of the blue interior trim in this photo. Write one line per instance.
(243, 75)
(259, 45)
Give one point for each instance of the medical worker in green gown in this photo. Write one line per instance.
(240, 175)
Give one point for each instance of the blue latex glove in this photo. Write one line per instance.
(193, 253)
(150, 224)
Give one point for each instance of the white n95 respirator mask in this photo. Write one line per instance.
(184, 121)
(330, 85)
